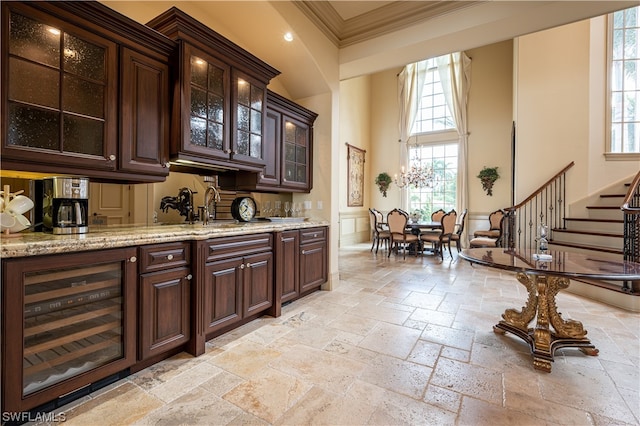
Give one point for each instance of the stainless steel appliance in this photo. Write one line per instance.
(65, 205)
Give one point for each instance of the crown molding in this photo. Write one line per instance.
(383, 20)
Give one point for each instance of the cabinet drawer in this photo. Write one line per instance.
(164, 256)
(221, 248)
(311, 235)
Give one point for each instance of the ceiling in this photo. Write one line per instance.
(365, 37)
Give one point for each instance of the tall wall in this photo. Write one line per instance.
(355, 130)
(560, 110)
(490, 119)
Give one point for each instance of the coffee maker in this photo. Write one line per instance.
(65, 204)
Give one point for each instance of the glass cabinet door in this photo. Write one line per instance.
(249, 120)
(208, 116)
(60, 97)
(295, 141)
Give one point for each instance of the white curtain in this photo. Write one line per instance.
(455, 76)
(410, 85)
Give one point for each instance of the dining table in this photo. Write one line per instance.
(544, 275)
(417, 228)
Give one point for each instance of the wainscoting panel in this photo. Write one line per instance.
(354, 227)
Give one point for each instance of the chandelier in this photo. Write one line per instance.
(418, 176)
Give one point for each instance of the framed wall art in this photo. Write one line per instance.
(355, 173)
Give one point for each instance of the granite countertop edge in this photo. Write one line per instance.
(40, 243)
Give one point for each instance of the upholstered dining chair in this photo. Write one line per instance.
(397, 223)
(435, 217)
(495, 224)
(458, 232)
(448, 222)
(491, 240)
(378, 231)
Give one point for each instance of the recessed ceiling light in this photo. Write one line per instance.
(288, 36)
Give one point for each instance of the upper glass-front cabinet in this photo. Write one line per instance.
(61, 94)
(296, 154)
(249, 120)
(206, 131)
(221, 104)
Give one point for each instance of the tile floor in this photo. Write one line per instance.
(400, 342)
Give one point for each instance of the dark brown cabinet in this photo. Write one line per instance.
(235, 283)
(301, 263)
(67, 321)
(313, 259)
(219, 99)
(288, 150)
(287, 273)
(164, 298)
(144, 114)
(86, 92)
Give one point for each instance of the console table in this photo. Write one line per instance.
(544, 279)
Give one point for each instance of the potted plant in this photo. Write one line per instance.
(488, 175)
(383, 181)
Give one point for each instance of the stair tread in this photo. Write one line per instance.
(587, 247)
(601, 234)
(604, 207)
(588, 219)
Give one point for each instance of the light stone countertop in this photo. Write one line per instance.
(40, 243)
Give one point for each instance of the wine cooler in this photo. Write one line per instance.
(67, 321)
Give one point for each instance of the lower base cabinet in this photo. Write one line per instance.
(301, 263)
(235, 283)
(313, 259)
(164, 298)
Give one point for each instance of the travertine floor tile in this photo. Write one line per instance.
(391, 339)
(398, 342)
(122, 405)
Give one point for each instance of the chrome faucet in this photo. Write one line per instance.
(211, 198)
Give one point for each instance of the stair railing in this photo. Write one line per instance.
(546, 205)
(631, 211)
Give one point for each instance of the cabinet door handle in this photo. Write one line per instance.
(315, 235)
(242, 266)
(248, 265)
(228, 151)
(304, 252)
(170, 257)
(188, 277)
(166, 165)
(112, 157)
(133, 259)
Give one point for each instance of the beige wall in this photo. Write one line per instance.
(560, 110)
(355, 129)
(490, 119)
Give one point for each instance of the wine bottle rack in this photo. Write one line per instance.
(73, 322)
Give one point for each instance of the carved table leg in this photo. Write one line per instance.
(543, 341)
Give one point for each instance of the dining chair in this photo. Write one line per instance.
(495, 221)
(378, 230)
(397, 222)
(492, 240)
(459, 231)
(435, 217)
(448, 222)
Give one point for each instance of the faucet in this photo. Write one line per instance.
(211, 197)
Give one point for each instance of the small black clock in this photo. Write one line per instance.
(243, 209)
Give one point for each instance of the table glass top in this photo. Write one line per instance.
(562, 263)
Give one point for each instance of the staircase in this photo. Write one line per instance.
(594, 226)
